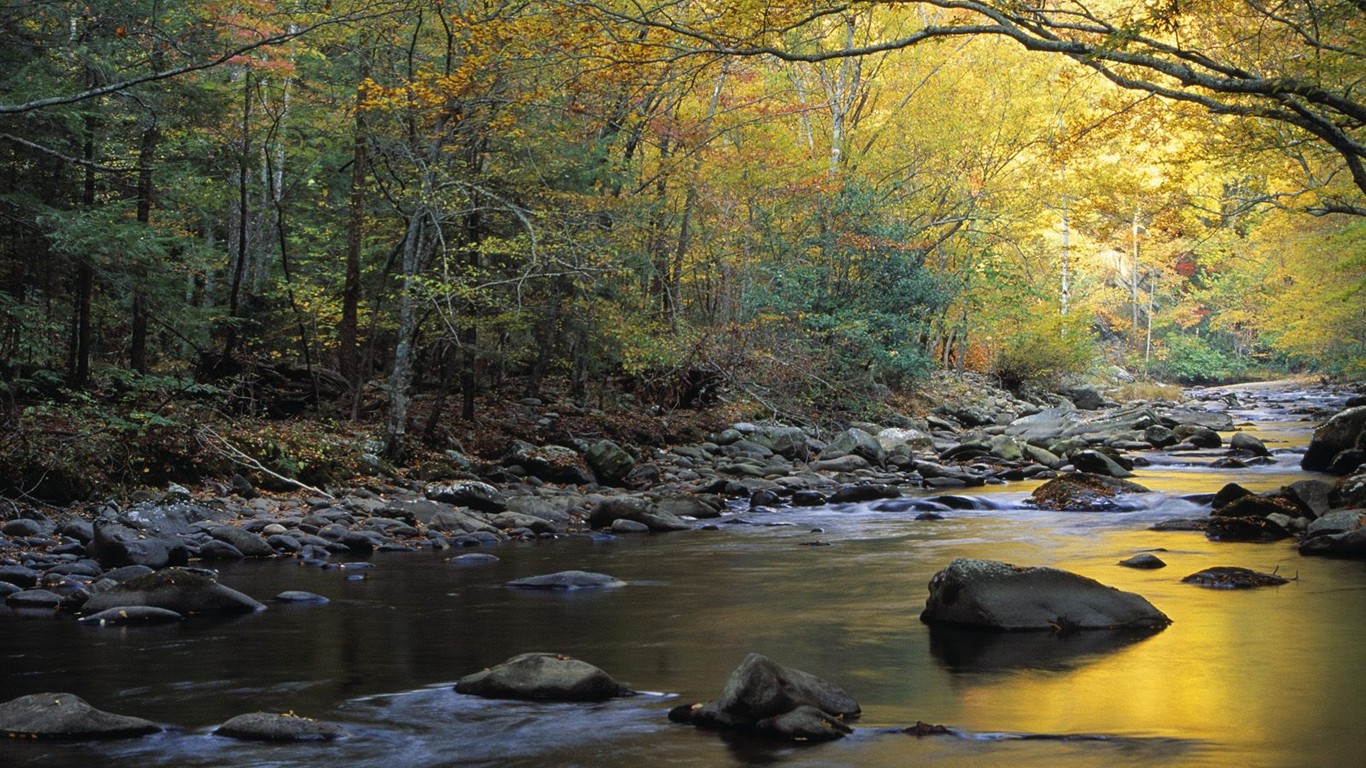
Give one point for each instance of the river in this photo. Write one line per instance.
(1270, 677)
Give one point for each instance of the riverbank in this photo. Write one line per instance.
(382, 654)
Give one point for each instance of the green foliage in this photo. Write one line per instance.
(1043, 349)
(1193, 360)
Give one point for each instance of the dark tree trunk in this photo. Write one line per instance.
(349, 353)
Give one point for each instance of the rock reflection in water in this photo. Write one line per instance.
(967, 650)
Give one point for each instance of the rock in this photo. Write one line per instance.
(1341, 521)
(1229, 577)
(552, 463)
(566, 580)
(1083, 492)
(25, 527)
(768, 698)
(468, 493)
(804, 723)
(895, 439)
(19, 575)
(1310, 495)
(1045, 425)
(1144, 560)
(1338, 434)
(1225, 528)
(474, 558)
(623, 525)
(1230, 493)
(854, 442)
(1347, 462)
(808, 498)
(850, 463)
(177, 517)
(609, 462)
(1350, 544)
(1198, 436)
(175, 589)
(1097, 463)
(131, 614)
(992, 595)
(1255, 505)
(1086, 397)
(637, 509)
(66, 716)
(1349, 492)
(266, 726)
(300, 596)
(1160, 437)
(34, 598)
(543, 677)
(246, 542)
(220, 550)
(115, 545)
(855, 493)
(1242, 441)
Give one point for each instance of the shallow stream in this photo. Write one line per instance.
(1271, 677)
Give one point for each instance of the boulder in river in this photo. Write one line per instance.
(566, 580)
(766, 697)
(267, 726)
(1083, 492)
(182, 590)
(543, 677)
(1350, 544)
(1144, 560)
(468, 493)
(1338, 434)
(131, 614)
(1232, 577)
(66, 716)
(987, 594)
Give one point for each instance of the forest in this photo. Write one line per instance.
(400, 213)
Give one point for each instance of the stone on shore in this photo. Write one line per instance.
(66, 716)
(992, 595)
(543, 677)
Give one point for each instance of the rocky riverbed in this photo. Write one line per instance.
(173, 542)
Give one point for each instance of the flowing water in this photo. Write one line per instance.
(1270, 677)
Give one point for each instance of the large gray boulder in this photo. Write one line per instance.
(176, 589)
(66, 716)
(115, 545)
(1045, 425)
(1338, 434)
(1351, 544)
(768, 698)
(244, 541)
(543, 677)
(986, 594)
(854, 442)
(609, 462)
(468, 493)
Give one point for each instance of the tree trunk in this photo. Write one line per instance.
(82, 337)
(401, 379)
(137, 346)
(243, 174)
(349, 352)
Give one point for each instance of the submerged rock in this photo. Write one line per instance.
(1350, 544)
(1083, 492)
(992, 595)
(543, 677)
(131, 614)
(768, 698)
(66, 716)
(1232, 577)
(567, 580)
(176, 589)
(266, 726)
(1145, 560)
